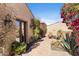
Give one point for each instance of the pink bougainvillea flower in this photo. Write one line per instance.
(72, 13)
(73, 23)
(70, 16)
(77, 20)
(66, 5)
(77, 28)
(77, 40)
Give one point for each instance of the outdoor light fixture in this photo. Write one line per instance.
(8, 21)
(32, 24)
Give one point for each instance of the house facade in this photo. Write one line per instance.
(13, 16)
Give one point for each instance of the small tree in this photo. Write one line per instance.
(37, 22)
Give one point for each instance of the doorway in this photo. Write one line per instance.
(21, 32)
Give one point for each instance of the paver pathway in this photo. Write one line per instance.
(44, 49)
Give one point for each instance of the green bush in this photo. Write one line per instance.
(37, 22)
(17, 48)
(37, 33)
(37, 30)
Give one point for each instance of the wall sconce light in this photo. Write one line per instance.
(8, 22)
(32, 24)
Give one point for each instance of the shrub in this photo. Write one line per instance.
(70, 16)
(43, 27)
(37, 22)
(37, 33)
(49, 35)
(17, 48)
(60, 34)
(56, 44)
(37, 30)
(70, 44)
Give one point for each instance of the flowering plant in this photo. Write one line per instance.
(70, 16)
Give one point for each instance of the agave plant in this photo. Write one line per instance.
(70, 44)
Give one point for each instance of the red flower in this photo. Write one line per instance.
(73, 24)
(77, 20)
(77, 40)
(72, 13)
(77, 28)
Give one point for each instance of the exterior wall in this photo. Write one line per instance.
(23, 13)
(16, 11)
(7, 34)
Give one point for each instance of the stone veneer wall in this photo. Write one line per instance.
(23, 13)
(7, 35)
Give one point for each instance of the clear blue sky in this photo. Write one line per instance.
(46, 12)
